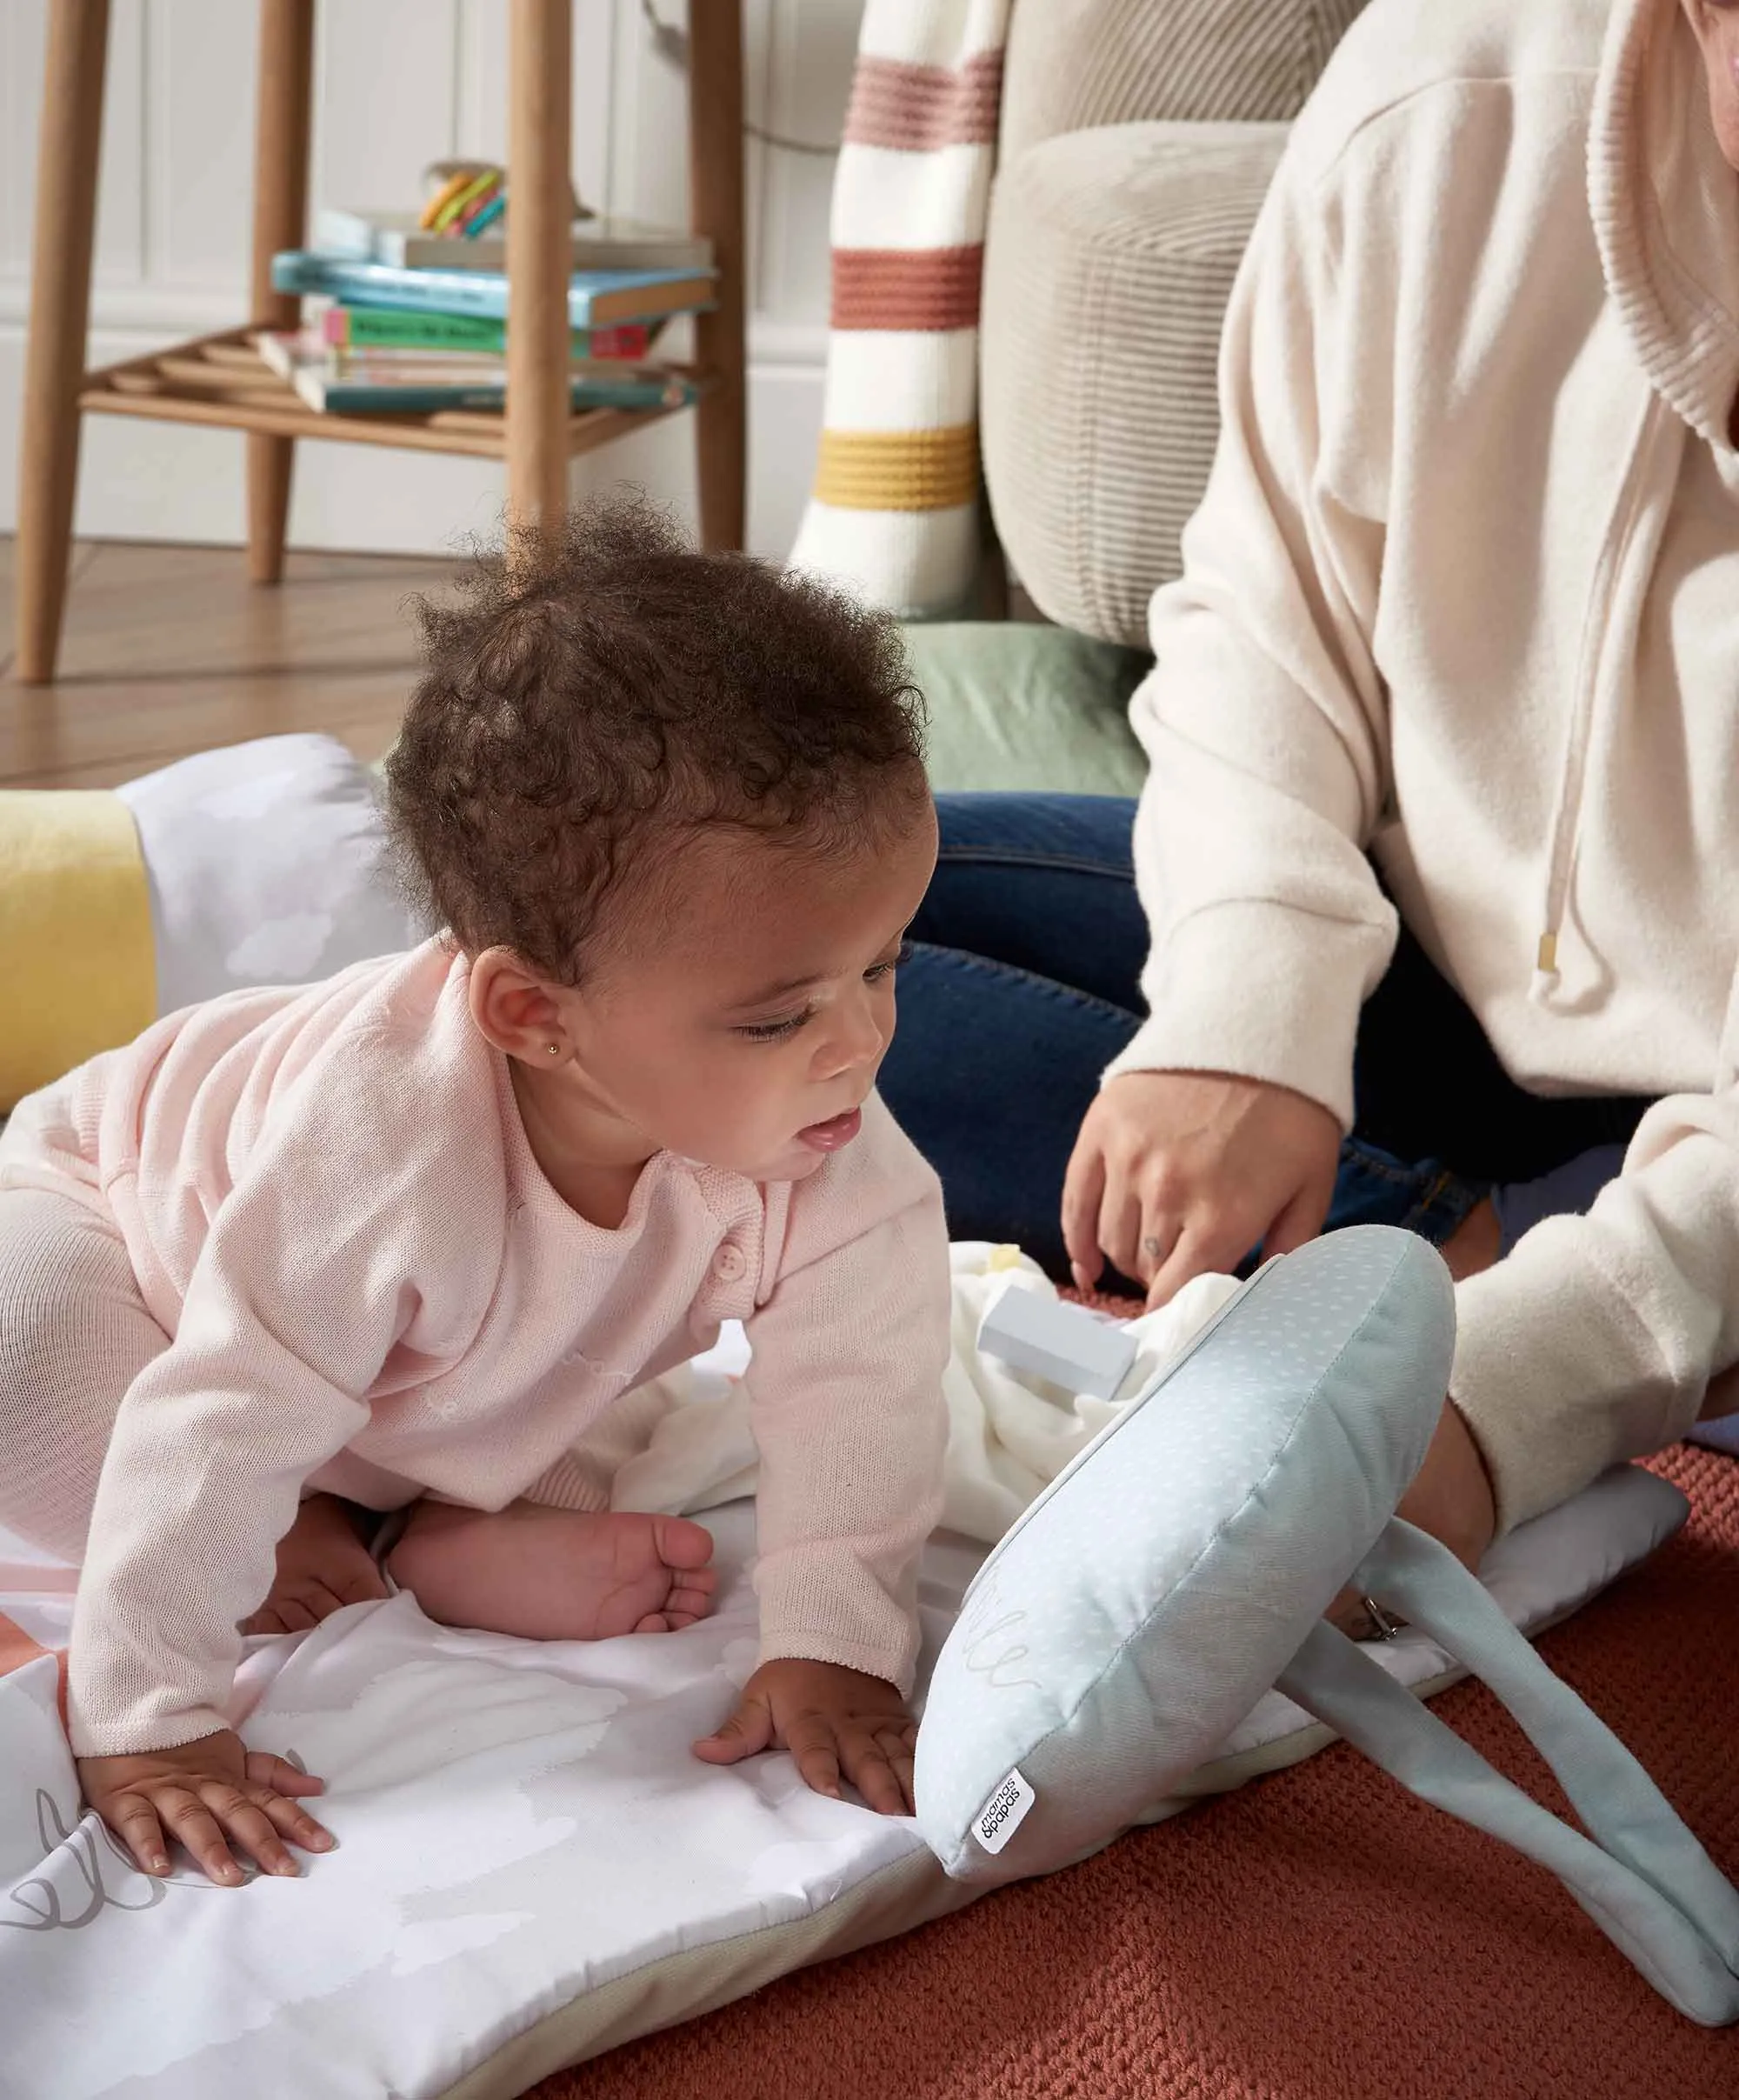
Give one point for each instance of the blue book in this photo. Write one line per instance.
(596, 298)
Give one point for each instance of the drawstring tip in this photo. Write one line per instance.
(1544, 980)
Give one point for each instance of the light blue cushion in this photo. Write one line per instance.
(1181, 1567)
(1160, 1585)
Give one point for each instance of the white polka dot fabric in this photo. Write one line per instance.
(1157, 1589)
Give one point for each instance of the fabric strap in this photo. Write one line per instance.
(1639, 1873)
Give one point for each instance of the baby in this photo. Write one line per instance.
(397, 1242)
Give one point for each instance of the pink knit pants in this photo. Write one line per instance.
(74, 1335)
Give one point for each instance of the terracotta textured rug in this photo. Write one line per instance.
(1319, 1935)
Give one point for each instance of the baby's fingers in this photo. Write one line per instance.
(880, 1767)
(193, 1822)
(291, 1821)
(812, 1743)
(748, 1732)
(276, 1773)
(243, 1818)
(136, 1823)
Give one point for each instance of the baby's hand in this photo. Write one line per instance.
(205, 1791)
(833, 1721)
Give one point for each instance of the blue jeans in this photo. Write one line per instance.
(1023, 985)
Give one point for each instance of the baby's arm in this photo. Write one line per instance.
(297, 1298)
(211, 1447)
(846, 1397)
(262, 1384)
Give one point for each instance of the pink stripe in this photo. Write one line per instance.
(915, 108)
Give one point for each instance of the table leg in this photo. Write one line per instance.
(283, 115)
(716, 208)
(60, 308)
(540, 210)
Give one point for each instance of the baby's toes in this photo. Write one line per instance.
(687, 1603)
(682, 1545)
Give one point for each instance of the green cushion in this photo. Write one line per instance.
(1015, 704)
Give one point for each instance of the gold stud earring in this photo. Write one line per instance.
(553, 1049)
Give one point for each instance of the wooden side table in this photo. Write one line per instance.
(220, 379)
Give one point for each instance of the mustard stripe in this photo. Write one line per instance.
(898, 469)
(76, 951)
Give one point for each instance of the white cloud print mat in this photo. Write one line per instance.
(531, 1867)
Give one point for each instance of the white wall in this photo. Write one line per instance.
(401, 83)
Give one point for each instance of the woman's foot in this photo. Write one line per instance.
(1475, 1244)
(556, 1574)
(1451, 1498)
(322, 1566)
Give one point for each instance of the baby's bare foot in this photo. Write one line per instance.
(556, 1574)
(322, 1566)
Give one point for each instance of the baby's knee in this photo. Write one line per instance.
(74, 1332)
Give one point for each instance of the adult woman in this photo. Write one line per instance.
(1455, 646)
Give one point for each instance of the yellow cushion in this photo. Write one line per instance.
(76, 956)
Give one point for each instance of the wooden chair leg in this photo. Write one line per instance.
(540, 187)
(283, 108)
(60, 308)
(716, 208)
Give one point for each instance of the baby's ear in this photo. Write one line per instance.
(516, 1010)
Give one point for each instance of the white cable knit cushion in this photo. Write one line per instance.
(1161, 1583)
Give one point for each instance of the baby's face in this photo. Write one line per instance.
(745, 1025)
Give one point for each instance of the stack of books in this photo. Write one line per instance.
(409, 322)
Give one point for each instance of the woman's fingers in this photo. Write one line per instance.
(1209, 1240)
(1120, 1226)
(1183, 1261)
(1083, 1185)
(1300, 1222)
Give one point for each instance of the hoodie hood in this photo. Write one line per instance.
(1653, 164)
(1665, 209)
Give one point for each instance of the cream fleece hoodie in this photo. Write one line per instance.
(1463, 593)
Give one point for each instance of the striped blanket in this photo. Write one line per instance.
(895, 513)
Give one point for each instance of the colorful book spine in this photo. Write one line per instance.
(615, 296)
(362, 327)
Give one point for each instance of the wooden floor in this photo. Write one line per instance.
(170, 649)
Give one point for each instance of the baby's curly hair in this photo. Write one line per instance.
(591, 699)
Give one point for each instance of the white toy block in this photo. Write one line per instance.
(1048, 1339)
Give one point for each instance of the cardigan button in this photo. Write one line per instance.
(728, 1264)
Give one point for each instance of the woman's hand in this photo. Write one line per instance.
(1178, 1173)
(204, 1793)
(834, 1721)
